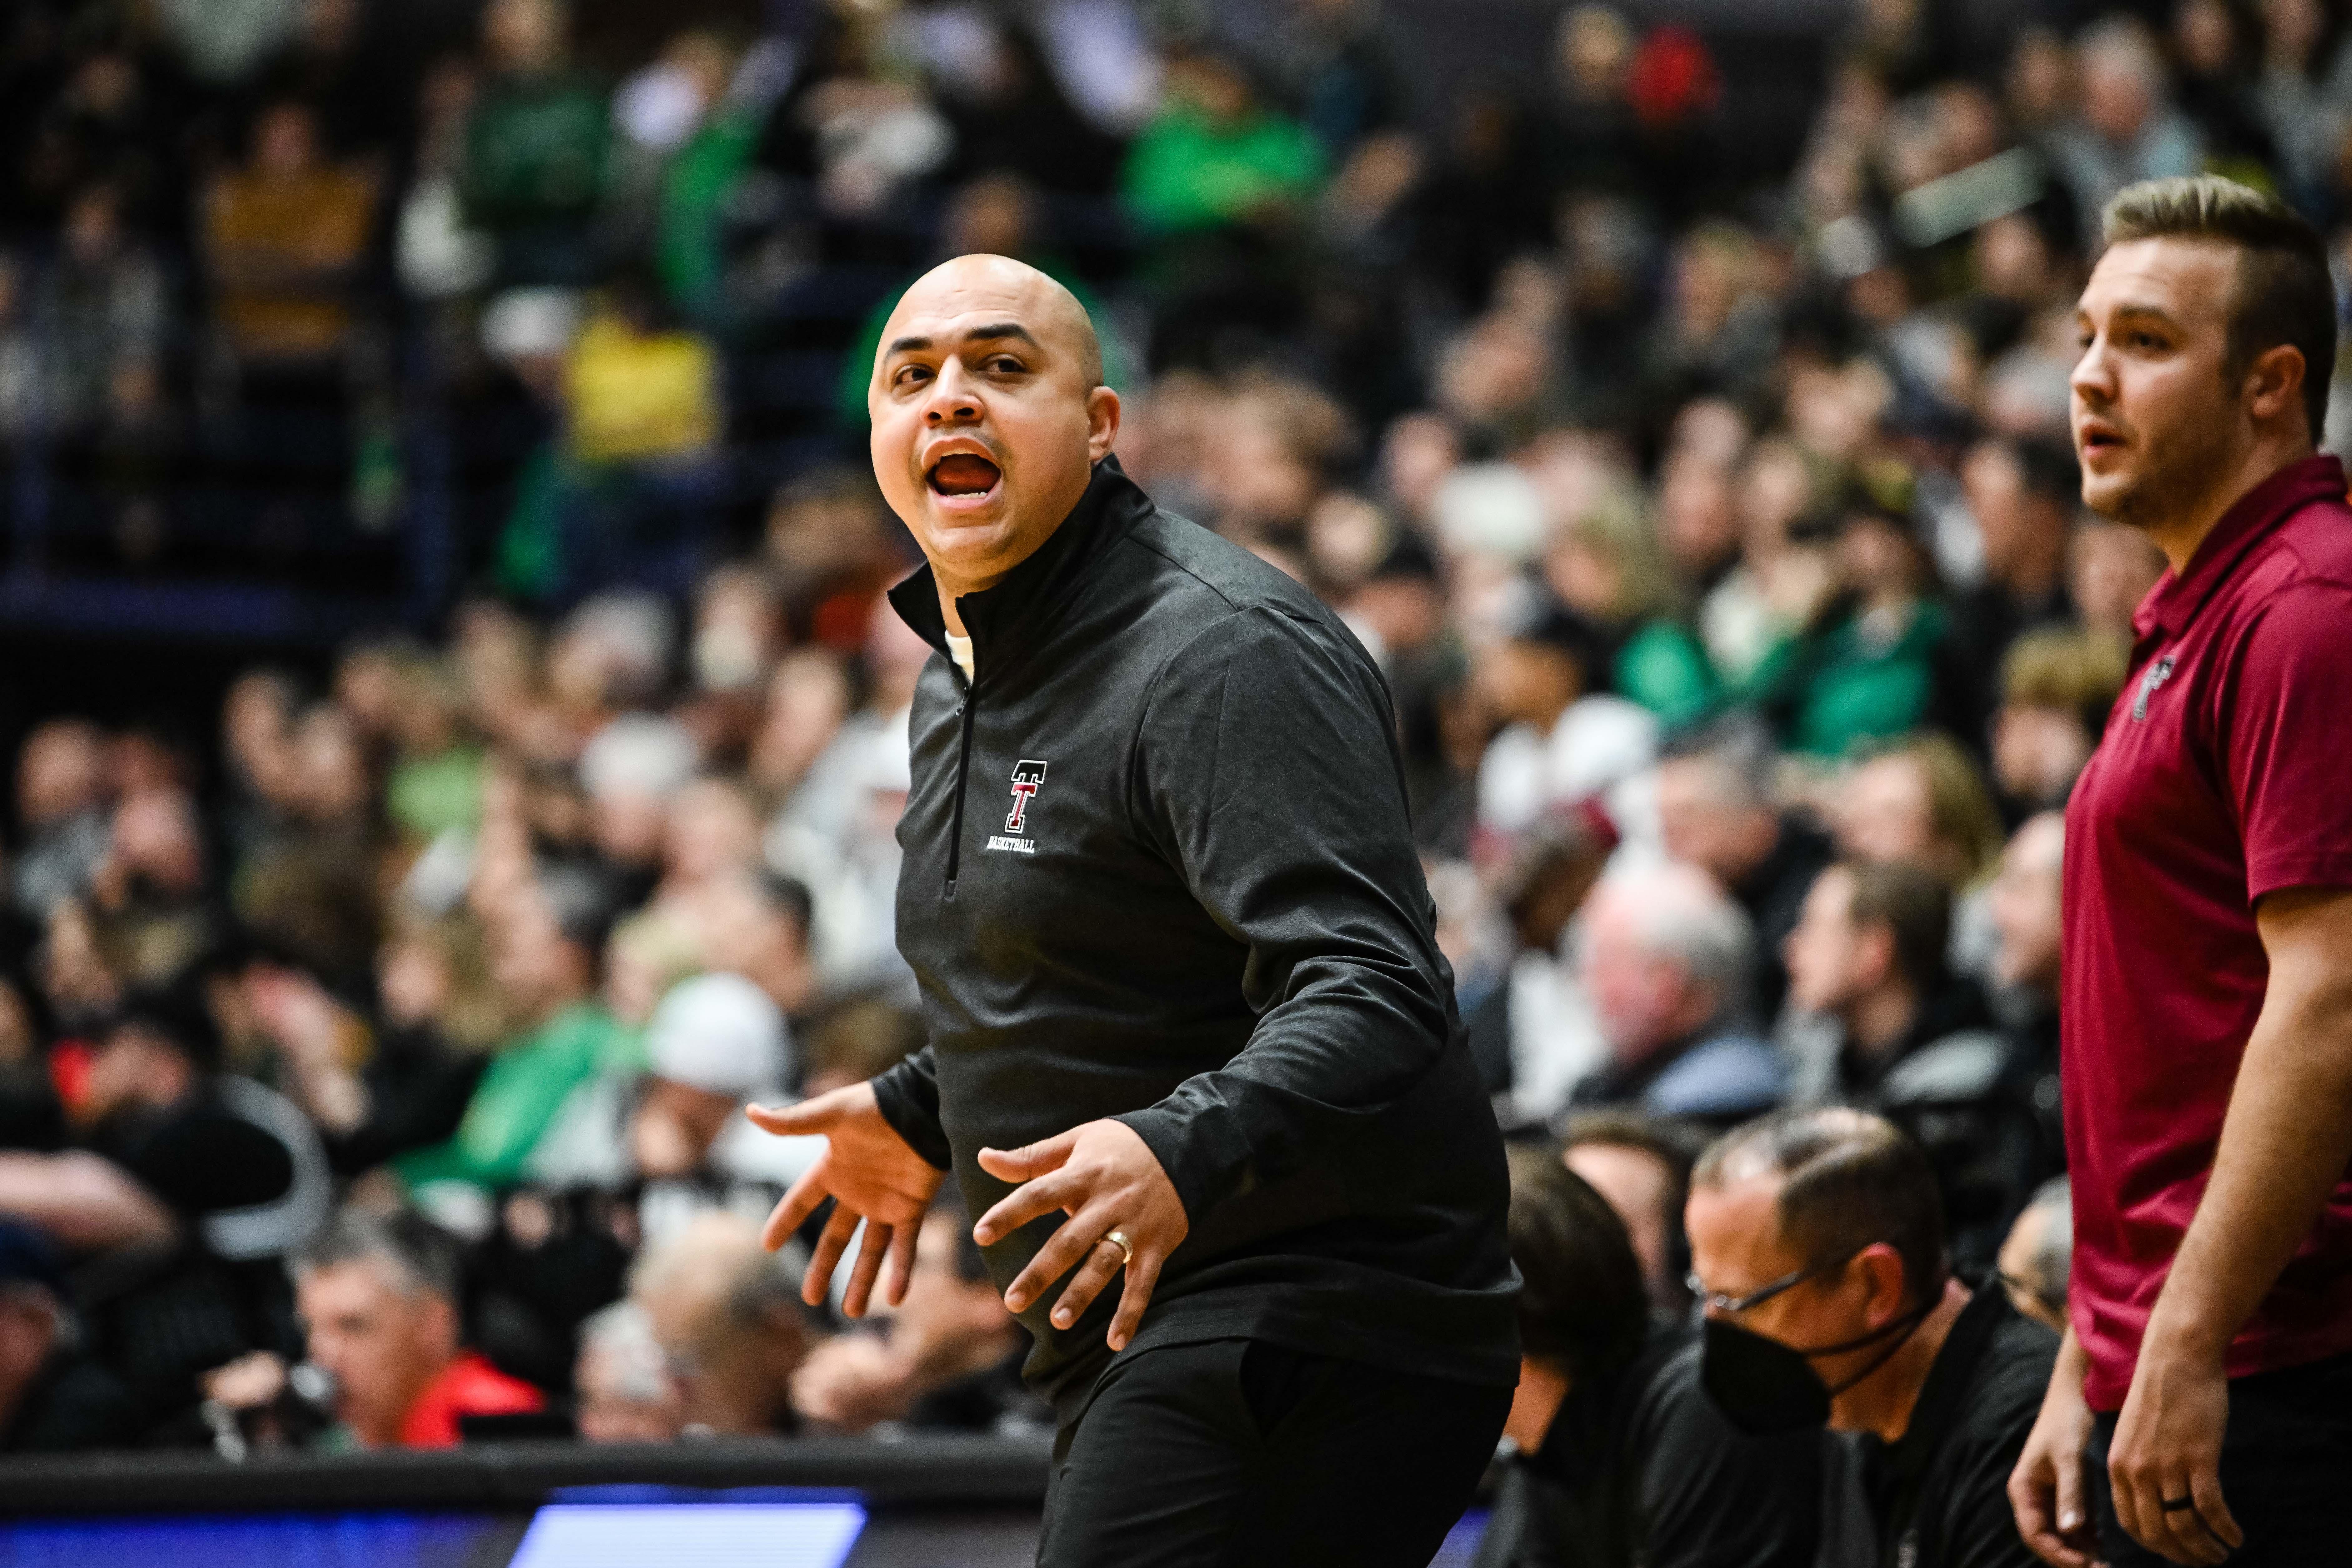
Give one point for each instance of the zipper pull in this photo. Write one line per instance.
(962, 781)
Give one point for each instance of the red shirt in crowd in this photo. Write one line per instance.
(2225, 774)
(467, 1386)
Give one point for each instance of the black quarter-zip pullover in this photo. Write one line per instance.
(1158, 867)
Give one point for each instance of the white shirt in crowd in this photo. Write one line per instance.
(1597, 744)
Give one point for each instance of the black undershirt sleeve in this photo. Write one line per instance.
(909, 1098)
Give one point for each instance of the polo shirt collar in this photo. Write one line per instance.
(2177, 597)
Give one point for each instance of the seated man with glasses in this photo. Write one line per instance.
(1817, 1245)
(1622, 1460)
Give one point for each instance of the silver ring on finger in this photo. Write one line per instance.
(1118, 1239)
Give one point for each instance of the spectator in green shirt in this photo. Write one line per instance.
(1220, 184)
(1865, 667)
(1607, 566)
(535, 149)
(544, 954)
(437, 774)
(1215, 155)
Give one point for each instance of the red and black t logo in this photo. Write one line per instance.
(1027, 776)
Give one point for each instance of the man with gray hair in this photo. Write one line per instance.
(2039, 1253)
(2127, 128)
(1717, 810)
(378, 1296)
(727, 1314)
(627, 1393)
(1664, 958)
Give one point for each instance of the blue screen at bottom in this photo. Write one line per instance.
(373, 1540)
(708, 1535)
(562, 1535)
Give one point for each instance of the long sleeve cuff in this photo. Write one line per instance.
(1202, 1149)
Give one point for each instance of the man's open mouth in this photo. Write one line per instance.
(963, 474)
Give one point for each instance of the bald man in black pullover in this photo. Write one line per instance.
(1194, 1058)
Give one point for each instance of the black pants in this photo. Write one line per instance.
(2287, 1470)
(1236, 1453)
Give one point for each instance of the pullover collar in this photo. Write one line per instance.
(1013, 617)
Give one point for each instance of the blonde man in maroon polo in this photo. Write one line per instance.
(2201, 1406)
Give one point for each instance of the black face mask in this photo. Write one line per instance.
(1764, 1386)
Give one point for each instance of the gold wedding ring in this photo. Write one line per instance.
(1126, 1248)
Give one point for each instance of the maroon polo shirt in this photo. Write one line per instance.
(2225, 773)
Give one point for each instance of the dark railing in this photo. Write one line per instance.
(989, 1473)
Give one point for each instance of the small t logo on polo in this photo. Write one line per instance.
(2157, 674)
(1027, 777)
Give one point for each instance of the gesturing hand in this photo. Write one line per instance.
(1106, 1178)
(871, 1173)
(2165, 1460)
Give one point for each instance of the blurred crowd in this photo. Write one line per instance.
(372, 1073)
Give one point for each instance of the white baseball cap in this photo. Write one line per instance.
(719, 1033)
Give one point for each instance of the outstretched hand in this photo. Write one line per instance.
(872, 1174)
(1106, 1178)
